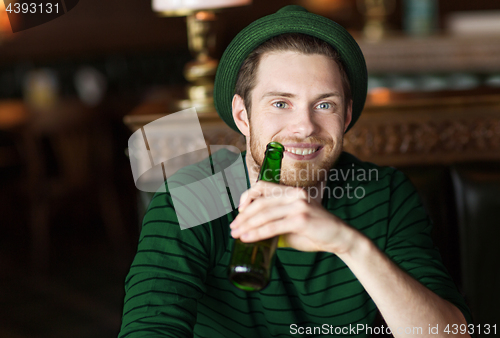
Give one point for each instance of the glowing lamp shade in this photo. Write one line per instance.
(195, 5)
(4, 20)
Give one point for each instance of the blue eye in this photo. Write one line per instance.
(324, 105)
(280, 104)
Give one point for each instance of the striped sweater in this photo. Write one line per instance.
(178, 287)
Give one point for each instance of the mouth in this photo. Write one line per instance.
(302, 152)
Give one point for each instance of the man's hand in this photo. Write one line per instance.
(269, 209)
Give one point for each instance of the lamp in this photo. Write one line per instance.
(201, 71)
(4, 22)
(376, 13)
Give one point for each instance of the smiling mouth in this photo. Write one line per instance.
(302, 151)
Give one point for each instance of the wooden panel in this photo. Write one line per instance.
(426, 136)
(96, 26)
(433, 54)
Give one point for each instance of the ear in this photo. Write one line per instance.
(348, 116)
(240, 115)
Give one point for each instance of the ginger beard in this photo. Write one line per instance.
(302, 174)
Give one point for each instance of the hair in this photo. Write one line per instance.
(294, 42)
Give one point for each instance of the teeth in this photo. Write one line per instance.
(301, 151)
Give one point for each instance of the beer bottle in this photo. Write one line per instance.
(251, 263)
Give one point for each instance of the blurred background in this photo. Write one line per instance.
(74, 89)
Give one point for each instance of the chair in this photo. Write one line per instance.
(477, 190)
(68, 151)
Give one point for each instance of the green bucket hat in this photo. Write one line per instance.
(289, 19)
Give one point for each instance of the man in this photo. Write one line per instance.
(299, 79)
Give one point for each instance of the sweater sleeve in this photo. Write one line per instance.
(178, 248)
(410, 245)
(167, 276)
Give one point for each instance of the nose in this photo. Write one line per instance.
(302, 124)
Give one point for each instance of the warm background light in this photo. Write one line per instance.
(379, 96)
(325, 7)
(184, 6)
(4, 21)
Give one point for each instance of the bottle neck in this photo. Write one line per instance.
(271, 166)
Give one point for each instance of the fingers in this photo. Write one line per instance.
(264, 213)
(260, 189)
(265, 210)
(279, 201)
(271, 229)
(264, 207)
(248, 197)
(268, 214)
(267, 189)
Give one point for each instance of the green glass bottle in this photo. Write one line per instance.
(251, 263)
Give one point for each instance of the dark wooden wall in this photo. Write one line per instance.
(97, 27)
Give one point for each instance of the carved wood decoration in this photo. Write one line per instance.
(437, 131)
(426, 142)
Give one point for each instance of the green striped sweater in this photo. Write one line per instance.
(177, 285)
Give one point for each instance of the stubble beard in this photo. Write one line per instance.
(302, 174)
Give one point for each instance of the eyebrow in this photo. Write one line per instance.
(290, 95)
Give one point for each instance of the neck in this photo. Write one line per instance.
(253, 168)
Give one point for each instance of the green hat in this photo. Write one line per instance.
(289, 19)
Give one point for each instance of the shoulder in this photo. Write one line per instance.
(199, 191)
(219, 161)
(350, 169)
(197, 178)
(359, 188)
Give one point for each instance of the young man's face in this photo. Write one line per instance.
(298, 101)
